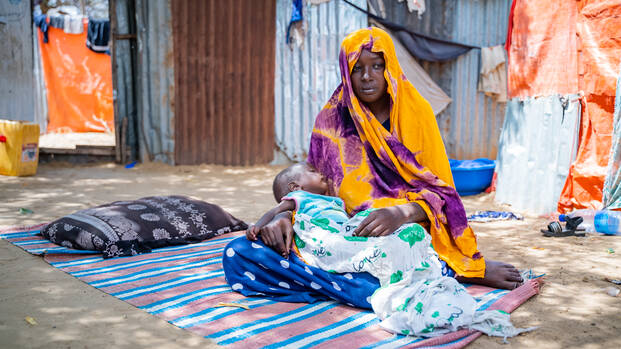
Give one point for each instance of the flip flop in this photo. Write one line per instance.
(571, 227)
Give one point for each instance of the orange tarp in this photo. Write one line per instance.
(78, 83)
(599, 34)
(543, 54)
(563, 47)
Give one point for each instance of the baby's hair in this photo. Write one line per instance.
(280, 187)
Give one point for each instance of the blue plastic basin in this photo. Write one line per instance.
(472, 176)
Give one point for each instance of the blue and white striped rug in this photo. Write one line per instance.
(185, 285)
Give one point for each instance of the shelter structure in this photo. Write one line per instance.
(195, 80)
(471, 123)
(561, 54)
(17, 102)
(304, 73)
(240, 82)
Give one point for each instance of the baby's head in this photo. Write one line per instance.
(300, 176)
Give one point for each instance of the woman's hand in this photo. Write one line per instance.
(254, 230)
(386, 220)
(278, 233)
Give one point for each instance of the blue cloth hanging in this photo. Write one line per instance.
(41, 22)
(296, 16)
(57, 22)
(98, 35)
(429, 49)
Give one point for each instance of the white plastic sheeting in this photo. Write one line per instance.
(538, 143)
(306, 76)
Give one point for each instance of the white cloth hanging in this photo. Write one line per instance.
(493, 73)
(74, 24)
(415, 5)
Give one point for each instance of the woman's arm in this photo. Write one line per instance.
(386, 220)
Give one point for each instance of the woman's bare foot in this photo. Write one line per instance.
(497, 275)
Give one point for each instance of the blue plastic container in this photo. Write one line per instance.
(608, 222)
(472, 176)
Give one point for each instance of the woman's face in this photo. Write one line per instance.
(367, 77)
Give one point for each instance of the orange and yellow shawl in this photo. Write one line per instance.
(372, 167)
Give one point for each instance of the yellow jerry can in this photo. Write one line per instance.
(19, 148)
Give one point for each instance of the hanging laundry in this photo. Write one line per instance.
(296, 23)
(98, 35)
(98, 10)
(493, 73)
(57, 22)
(415, 5)
(430, 49)
(63, 10)
(74, 24)
(41, 22)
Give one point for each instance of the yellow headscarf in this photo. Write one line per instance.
(373, 167)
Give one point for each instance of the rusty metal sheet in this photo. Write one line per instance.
(224, 81)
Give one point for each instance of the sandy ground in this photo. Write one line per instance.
(572, 310)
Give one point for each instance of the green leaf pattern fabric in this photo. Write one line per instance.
(414, 297)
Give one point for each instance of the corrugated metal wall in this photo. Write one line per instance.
(16, 62)
(472, 123)
(538, 143)
(155, 80)
(123, 27)
(224, 74)
(306, 76)
(39, 93)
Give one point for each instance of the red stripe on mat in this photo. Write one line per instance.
(365, 336)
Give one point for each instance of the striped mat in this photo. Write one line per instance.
(185, 286)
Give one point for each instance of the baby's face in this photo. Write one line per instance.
(312, 181)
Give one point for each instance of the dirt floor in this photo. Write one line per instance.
(573, 310)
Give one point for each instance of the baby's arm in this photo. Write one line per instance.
(253, 230)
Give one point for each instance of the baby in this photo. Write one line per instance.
(324, 231)
(414, 297)
(301, 188)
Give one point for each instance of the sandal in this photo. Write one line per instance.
(571, 227)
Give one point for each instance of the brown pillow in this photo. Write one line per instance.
(125, 228)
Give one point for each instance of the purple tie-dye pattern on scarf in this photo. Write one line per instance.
(325, 155)
(328, 158)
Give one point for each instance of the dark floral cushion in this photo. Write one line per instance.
(126, 228)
